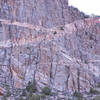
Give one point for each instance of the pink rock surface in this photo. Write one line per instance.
(49, 41)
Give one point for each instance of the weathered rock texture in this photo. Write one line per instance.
(45, 40)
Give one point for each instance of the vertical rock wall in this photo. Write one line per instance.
(38, 41)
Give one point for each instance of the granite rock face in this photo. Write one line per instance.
(46, 13)
(50, 42)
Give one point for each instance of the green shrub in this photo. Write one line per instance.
(46, 91)
(21, 98)
(34, 88)
(24, 93)
(43, 96)
(33, 97)
(77, 94)
(93, 91)
(31, 87)
(30, 94)
(80, 98)
(8, 94)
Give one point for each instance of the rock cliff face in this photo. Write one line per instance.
(50, 42)
(46, 13)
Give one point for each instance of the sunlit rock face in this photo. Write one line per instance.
(43, 40)
(46, 13)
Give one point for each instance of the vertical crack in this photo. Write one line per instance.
(78, 79)
(62, 12)
(51, 67)
(67, 69)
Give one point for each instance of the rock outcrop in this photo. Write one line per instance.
(44, 40)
